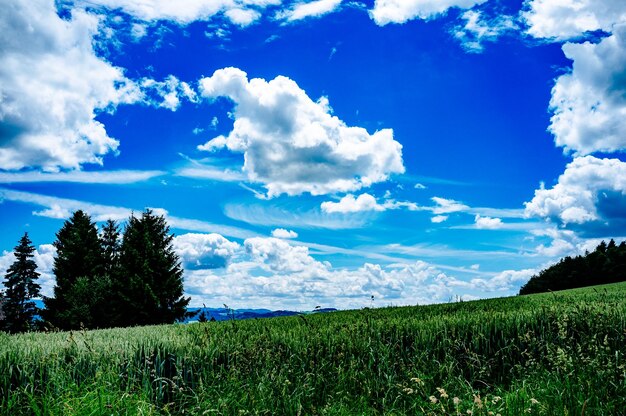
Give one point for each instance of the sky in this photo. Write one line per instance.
(327, 153)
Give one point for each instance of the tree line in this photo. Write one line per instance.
(103, 278)
(606, 264)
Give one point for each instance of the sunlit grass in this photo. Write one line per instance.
(550, 354)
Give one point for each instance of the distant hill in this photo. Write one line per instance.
(223, 314)
(606, 264)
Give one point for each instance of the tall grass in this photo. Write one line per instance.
(550, 354)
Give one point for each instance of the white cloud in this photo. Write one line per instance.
(556, 249)
(52, 85)
(580, 190)
(447, 206)
(302, 10)
(506, 280)
(242, 17)
(212, 173)
(276, 216)
(204, 251)
(167, 94)
(566, 19)
(138, 31)
(294, 145)
(487, 223)
(589, 104)
(184, 12)
(419, 186)
(102, 177)
(282, 233)
(401, 11)
(276, 255)
(275, 274)
(477, 30)
(364, 202)
(438, 219)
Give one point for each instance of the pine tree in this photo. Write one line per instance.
(79, 260)
(151, 285)
(21, 288)
(110, 242)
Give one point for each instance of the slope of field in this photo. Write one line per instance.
(549, 354)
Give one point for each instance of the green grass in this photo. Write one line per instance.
(550, 354)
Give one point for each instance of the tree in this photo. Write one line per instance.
(79, 256)
(110, 242)
(21, 287)
(151, 277)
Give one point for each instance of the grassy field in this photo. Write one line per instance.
(551, 354)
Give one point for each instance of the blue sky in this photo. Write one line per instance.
(321, 152)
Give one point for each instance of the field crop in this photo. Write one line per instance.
(552, 354)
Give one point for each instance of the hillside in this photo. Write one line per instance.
(547, 354)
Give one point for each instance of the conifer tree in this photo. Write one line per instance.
(110, 242)
(21, 287)
(151, 285)
(78, 266)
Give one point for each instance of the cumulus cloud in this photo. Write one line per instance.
(183, 12)
(204, 251)
(292, 144)
(302, 10)
(274, 273)
(590, 190)
(52, 85)
(401, 11)
(276, 255)
(242, 17)
(168, 93)
(364, 202)
(566, 19)
(476, 29)
(285, 234)
(589, 103)
(487, 223)
(438, 219)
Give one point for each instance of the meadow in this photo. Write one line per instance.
(558, 353)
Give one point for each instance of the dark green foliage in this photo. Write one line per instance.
(110, 242)
(151, 282)
(606, 264)
(103, 282)
(21, 287)
(202, 317)
(79, 257)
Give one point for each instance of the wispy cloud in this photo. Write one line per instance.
(61, 208)
(119, 177)
(277, 216)
(211, 173)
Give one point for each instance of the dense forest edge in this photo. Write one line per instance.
(606, 264)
